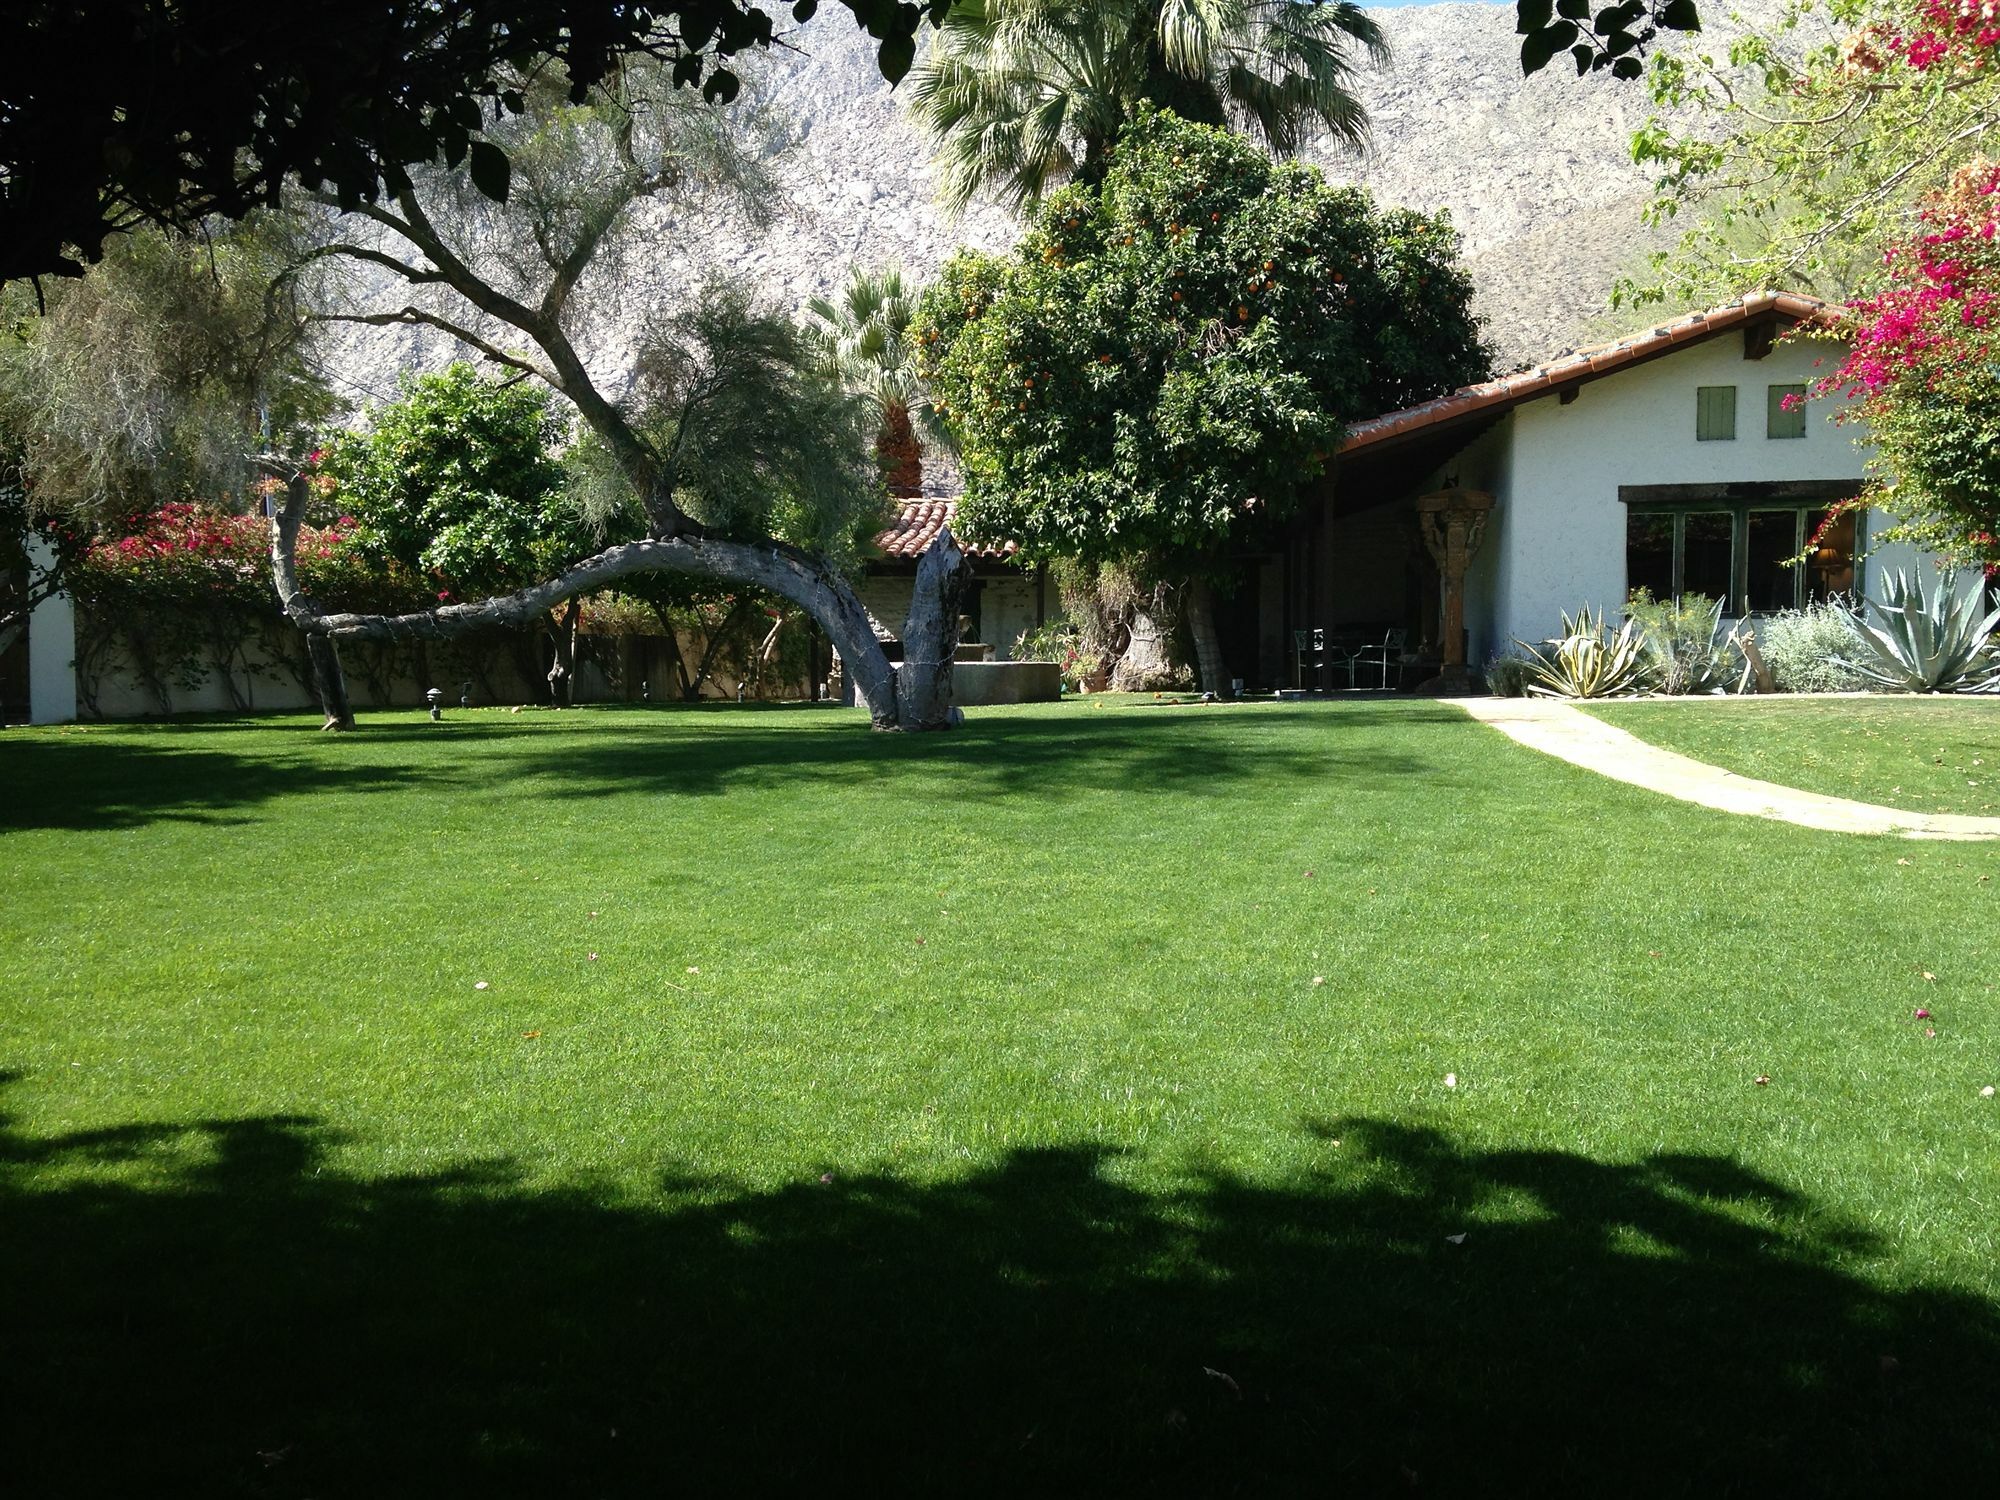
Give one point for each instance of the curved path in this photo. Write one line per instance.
(1557, 729)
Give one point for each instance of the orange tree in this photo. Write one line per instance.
(1168, 354)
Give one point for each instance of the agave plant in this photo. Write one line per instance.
(1586, 662)
(1687, 650)
(1927, 642)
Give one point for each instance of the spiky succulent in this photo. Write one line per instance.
(1587, 661)
(1914, 640)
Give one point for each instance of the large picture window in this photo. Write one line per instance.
(1756, 547)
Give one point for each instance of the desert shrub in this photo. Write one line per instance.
(1687, 650)
(1507, 674)
(1806, 649)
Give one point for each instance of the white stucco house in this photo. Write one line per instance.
(1670, 459)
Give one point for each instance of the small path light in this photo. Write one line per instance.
(435, 696)
(645, 692)
(465, 693)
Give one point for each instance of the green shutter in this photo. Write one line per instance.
(1715, 413)
(1780, 423)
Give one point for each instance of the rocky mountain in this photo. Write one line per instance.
(1535, 172)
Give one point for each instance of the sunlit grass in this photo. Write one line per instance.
(950, 1103)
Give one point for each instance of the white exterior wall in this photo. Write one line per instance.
(1558, 540)
(51, 651)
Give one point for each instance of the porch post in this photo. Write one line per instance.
(1453, 521)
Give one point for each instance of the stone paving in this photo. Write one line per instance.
(1555, 728)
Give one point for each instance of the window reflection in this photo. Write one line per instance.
(1770, 542)
(1829, 553)
(1705, 555)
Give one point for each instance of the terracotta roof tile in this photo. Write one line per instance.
(917, 524)
(1580, 364)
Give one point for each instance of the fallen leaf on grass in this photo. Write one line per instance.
(1235, 1389)
(1761, 1079)
(1922, 1014)
(593, 958)
(1451, 1080)
(694, 968)
(1929, 977)
(530, 1035)
(481, 985)
(1319, 979)
(1987, 1092)
(1905, 861)
(1454, 1239)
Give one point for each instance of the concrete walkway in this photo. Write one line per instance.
(1555, 728)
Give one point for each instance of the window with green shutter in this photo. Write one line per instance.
(1785, 411)
(1715, 413)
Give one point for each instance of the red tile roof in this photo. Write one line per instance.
(917, 524)
(1582, 365)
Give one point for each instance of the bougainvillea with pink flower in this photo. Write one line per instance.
(1950, 34)
(1923, 372)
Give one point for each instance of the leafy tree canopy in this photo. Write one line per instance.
(123, 112)
(1021, 95)
(1173, 351)
(155, 378)
(1814, 144)
(459, 480)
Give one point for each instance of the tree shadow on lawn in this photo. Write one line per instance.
(82, 783)
(259, 1324)
(86, 782)
(999, 757)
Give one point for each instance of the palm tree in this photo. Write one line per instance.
(1020, 95)
(861, 341)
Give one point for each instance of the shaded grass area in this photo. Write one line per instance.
(963, 1111)
(1936, 755)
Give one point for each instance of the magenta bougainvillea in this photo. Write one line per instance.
(1950, 34)
(1923, 368)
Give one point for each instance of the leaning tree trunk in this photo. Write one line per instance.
(930, 638)
(329, 680)
(805, 580)
(1207, 643)
(562, 671)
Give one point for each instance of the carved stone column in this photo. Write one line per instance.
(1452, 522)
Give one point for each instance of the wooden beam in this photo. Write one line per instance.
(1759, 337)
(1740, 492)
(1568, 394)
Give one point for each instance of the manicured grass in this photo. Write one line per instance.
(963, 1113)
(1938, 755)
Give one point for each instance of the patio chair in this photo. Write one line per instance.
(1308, 651)
(1387, 656)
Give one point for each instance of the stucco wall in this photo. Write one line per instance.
(1558, 541)
(1006, 606)
(51, 651)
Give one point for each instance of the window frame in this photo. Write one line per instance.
(1800, 497)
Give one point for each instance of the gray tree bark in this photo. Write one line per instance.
(1148, 665)
(1207, 642)
(806, 581)
(329, 679)
(930, 638)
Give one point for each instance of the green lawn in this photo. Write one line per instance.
(1935, 755)
(965, 1113)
